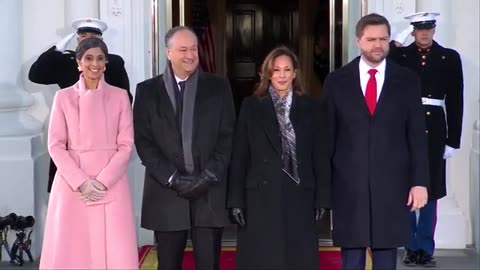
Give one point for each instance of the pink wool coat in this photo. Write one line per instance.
(90, 137)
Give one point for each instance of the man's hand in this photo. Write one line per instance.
(417, 197)
(61, 46)
(199, 186)
(180, 183)
(449, 152)
(238, 216)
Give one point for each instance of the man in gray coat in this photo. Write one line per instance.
(184, 120)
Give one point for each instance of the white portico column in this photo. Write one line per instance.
(75, 9)
(451, 221)
(444, 22)
(20, 136)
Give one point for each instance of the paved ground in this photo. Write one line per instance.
(465, 259)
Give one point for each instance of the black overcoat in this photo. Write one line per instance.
(280, 227)
(158, 144)
(373, 161)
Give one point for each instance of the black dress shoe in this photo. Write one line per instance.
(426, 260)
(410, 258)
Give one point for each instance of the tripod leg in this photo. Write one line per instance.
(29, 254)
(14, 258)
(28, 245)
(20, 255)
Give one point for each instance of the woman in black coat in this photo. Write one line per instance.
(275, 194)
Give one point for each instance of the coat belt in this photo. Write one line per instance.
(433, 102)
(92, 147)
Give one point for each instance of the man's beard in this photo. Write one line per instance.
(374, 59)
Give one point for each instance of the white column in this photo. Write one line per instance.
(19, 132)
(75, 9)
(475, 184)
(444, 21)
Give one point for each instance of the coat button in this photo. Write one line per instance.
(428, 113)
(265, 182)
(265, 160)
(429, 95)
(426, 131)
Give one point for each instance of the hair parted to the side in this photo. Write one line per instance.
(170, 33)
(371, 19)
(89, 43)
(266, 72)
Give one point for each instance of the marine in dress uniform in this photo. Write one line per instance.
(440, 71)
(59, 66)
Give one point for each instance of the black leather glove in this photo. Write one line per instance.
(199, 186)
(238, 216)
(319, 213)
(180, 183)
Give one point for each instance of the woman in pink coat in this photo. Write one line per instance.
(90, 221)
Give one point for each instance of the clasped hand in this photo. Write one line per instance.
(92, 190)
(191, 187)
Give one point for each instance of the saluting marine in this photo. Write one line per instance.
(440, 71)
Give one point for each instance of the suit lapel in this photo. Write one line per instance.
(270, 122)
(356, 87)
(165, 106)
(388, 83)
(200, 105)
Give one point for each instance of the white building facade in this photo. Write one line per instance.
(33, 26)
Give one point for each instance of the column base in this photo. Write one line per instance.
(24, 175)
(450, 231)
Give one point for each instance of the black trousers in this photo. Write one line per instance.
(382, 259)
(206, 248)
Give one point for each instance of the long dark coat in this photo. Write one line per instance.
(159, 147)
(54, 67)
(441, 78)
(373, 161)
(280, 227)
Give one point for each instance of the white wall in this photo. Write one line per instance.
(465, 39)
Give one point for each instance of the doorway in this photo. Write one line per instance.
(242, 32)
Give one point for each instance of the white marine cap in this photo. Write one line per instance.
(423, 20)
(90, 25)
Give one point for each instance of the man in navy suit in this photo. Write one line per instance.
(374, 148)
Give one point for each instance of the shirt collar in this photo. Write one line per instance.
(180, 80)
(364, 67)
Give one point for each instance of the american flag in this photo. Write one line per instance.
(201, 26)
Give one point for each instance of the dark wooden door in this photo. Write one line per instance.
(254, 28)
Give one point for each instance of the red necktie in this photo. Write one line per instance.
(371, 91)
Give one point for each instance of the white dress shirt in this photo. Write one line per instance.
(179, 80)
(379, 76)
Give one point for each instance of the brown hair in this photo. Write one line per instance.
(371, 19)
(89, 43)
(267, 70)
